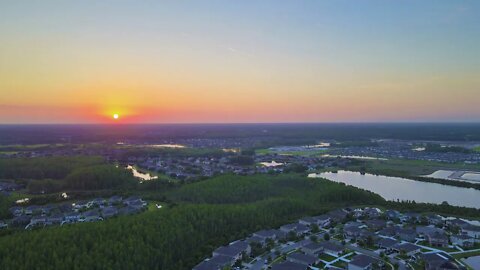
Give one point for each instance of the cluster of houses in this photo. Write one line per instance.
(393, 149)
(357, 239)
(82, 211)
(7, 187)
(191, 168)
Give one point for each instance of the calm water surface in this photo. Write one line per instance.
(393, 188)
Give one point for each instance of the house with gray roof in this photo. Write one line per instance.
(471, 230)
(331, 248)
(408, 248)
(313, 248)
(440, 261)
(305, 259)
(361, 262)
(222, 261)
(206, 265)
(109, 212)
(228, 251)
(266, 234)
(407, 234)
(462, 240)
(289, 266)
(386, 243)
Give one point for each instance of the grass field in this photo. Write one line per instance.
(476, 149)
(466, 254)
(415, 167)
(326, 257)
(292, 153)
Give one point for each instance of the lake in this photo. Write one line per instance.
(393, 188)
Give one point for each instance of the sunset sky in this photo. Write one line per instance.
(239, 61)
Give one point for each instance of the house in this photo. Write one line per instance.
(365, 234)
(308, 221)
(37, 221)
(434, 219)
(241, 245)
(96, 202)
(3, 224)
(55, 219)
(115, 200)
(32, 209)
(411, 217)
(222, 261)
(305, 259)
(407, 234)
(437, 239)
(297, 228)
(46, 209)
(109, 212)
(440, 261)
(229, 251)
(72, 217)
(408, 248)
(289, 266)
(389, 231)
(456, 223)
(361, 262)
(16, 211)
(424, 230)
(354, 224)
(255, 239)
(387, 243)
(471, 230)
(65, 208)
(91, 216)
(133, 200)
(463, 240)
(351, 232)
(313, 248)
(331, 248)
(266, 234)
(280, 234)
(128, 210)
(206, 265)
(322, 220)
(392, 214)
(20, 221)
(80, 205)
(371, 212)
(338, 215)
(376, 224)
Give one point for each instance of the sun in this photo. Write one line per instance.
(115, 116)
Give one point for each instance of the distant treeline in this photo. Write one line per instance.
(44, 167)
(262, 135)
(431, 147)
(53, 174)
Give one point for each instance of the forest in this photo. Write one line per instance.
(52, 174)
(198, 218)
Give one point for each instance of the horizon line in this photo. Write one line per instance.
(239, 123)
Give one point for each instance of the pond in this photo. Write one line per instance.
(272, 164)
(473, 262)
(393, 188)
(141, 175)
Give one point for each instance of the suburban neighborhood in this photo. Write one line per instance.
(98, 209)
(354, 239)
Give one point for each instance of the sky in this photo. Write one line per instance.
(239, 61)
